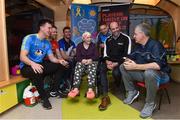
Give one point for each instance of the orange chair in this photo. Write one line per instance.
(162, 89)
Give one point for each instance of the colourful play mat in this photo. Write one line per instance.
(81, 108)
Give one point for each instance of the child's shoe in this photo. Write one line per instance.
(73, 93)
(90, 94)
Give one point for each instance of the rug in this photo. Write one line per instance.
(81, 108)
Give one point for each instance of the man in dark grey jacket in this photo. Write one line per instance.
(117, 46)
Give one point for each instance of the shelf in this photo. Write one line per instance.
(12, 80)
(173, 62)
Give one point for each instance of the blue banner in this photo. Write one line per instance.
(83, 18)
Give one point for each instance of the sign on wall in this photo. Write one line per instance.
(83, 18)
(118, 13)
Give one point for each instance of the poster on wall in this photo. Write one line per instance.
(83, 18)
(118, 13)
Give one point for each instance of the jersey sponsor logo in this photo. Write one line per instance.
(39, 52)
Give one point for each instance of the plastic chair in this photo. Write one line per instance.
(162, 89)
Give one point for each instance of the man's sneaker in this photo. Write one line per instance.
(132, 95)
(46, 104)
(53, 94)
(63, 92)
(148, 110)
(58, 94)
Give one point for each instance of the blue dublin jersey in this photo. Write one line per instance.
(37, 48)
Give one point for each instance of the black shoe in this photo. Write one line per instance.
(46, 104)
(62, 94)
(58, 94)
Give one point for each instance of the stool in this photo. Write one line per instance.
(162, 88)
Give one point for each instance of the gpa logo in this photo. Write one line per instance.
(38, 52)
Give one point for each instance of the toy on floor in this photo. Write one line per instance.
(30, 95)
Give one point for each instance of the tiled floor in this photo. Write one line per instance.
(168, 111)
(37, 112)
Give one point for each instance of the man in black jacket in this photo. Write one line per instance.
(117, 46)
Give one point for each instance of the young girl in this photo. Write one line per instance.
(87, 56)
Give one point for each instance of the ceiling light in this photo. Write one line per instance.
(82, 1)
(148, 2)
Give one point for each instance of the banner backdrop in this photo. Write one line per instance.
(83, 18)
(118, 13)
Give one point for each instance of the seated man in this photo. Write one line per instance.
(55, 49)
(33, 50)
(102, 36)
(54, 43)
(67, 46)
(87, 56)
(146, 63)
(68, 50)
(117, 46)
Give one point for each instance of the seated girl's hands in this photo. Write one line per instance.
(83, 61)
(89, 61)
(86, 61)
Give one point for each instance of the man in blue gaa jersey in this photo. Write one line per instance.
(102, 36)
(33, 50)
(67, 49)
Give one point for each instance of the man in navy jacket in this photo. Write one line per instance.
(146, 63)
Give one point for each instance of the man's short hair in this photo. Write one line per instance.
(145, 28)
(66, 28)
(103, 23)
(54, 27)
(43, 22)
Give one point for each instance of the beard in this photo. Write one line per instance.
(53, 37)
(68, 37)
(116, 34)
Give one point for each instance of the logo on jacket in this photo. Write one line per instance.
(120, 43)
